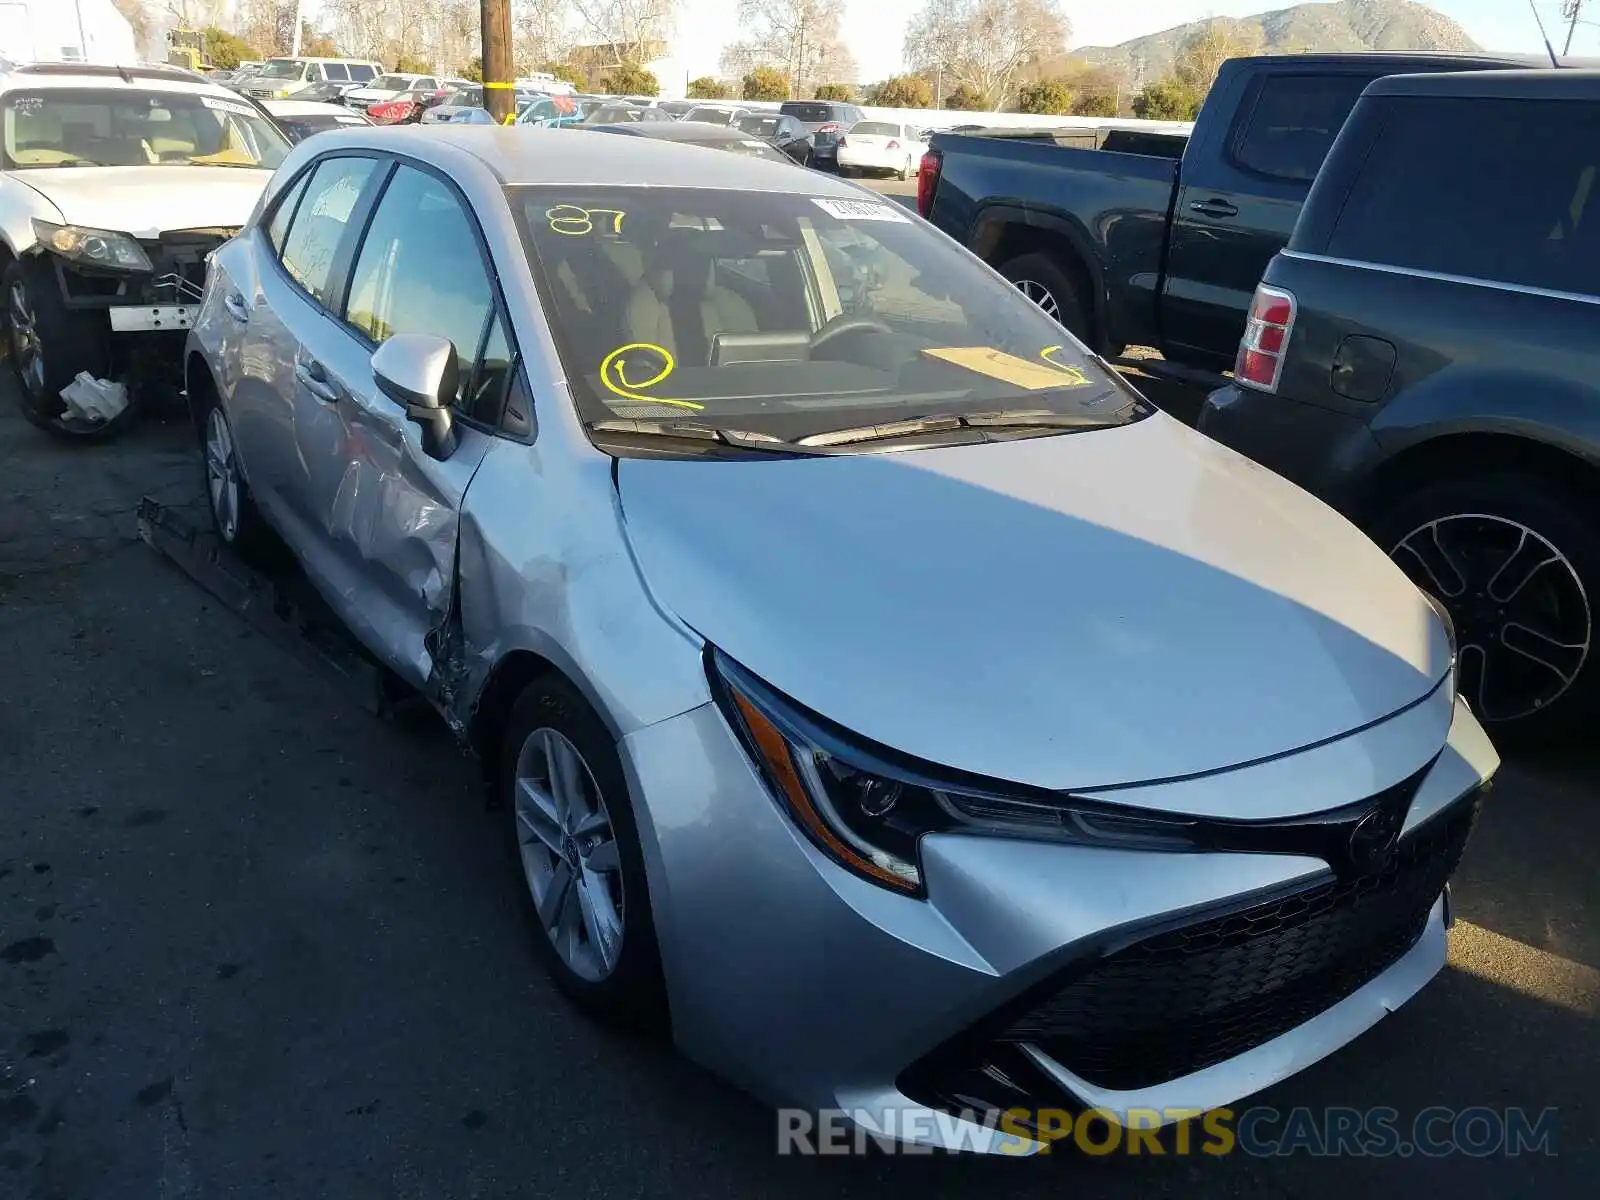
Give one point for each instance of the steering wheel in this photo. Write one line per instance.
(845, 324)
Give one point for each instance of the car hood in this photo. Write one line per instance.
(148, 201)
(1077, 611)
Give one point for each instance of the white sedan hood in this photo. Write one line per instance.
(147, 201)
(1104, 607)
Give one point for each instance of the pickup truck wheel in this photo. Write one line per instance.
(1516, 561)
(904, 173)
(49, 344)
(1039, 279)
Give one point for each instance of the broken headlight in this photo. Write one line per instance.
(867, 808)
(92, 247)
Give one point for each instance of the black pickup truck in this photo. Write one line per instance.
(1152, 240)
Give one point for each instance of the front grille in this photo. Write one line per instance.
(179, 259)
(1182, 1000)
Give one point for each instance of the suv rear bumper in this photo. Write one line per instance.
(1323, 451)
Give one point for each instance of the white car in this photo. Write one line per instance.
(391, 87)
(280, 78)
(302, 118)
(103, 264)
(882, 146)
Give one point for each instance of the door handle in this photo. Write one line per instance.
(315, 380)
(234, 303)
(1215, 208)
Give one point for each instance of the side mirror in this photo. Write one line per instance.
(419, 372)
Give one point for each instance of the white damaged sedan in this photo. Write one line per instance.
(882, 696)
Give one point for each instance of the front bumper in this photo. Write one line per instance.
(179, 262)
(813, 989)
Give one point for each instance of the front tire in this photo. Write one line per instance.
(234, 515)
(1516, 561)
(49, 345)
(576, 845)
(1040, 279)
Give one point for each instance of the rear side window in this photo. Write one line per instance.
(1503, 190)
(1293, 122)
(320, 221)
(336, 72)
(362, 73)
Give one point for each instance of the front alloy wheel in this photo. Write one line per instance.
(1040, 295)
(570, 856)
(222, 475)
(1523, 619)
(25, 345)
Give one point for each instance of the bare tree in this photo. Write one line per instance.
(633, 28)
(1205, 50)
(797, 36)
(380, 31)
(982, 45)
(541, 32)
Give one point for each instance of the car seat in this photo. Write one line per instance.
(679, 306)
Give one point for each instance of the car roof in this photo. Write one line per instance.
(678, 131)
(522, 155)
(34, 76)
(1543, 84)
(1394, 58)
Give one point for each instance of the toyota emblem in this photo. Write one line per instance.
(1373, 840)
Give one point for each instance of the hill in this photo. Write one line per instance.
(1345, 25)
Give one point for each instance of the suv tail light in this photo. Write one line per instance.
(894, 145)
(928, 180)
(1266, 338)
(828, 127)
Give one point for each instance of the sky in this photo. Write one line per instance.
(875, 29)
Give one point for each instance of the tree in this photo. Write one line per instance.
(630, 79)
(540, 36)
(835, 91)
(1168, 99)
(137, 14)
(965, 99)
(707, 88)
(903, 91)
(1205, 50)
(316, 45)
(410, 64)
(634, 29)
(764, 83)
(1096, 100)
(473, 71)
(227, 51)
(1052, 96)
(794, 35)
(573, 74)
(983, 44)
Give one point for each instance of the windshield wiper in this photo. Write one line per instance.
(741, 439)
(1008, 419)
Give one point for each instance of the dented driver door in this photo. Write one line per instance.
(391, 511)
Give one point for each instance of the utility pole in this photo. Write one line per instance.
(299, 23)
(1571, 10)
(499, 86)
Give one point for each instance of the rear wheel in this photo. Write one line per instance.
(1516, 561)
(1041, 280)
(50, 344)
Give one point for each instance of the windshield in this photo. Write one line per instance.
(761, 126)
(809, 112)
(875, 129)
(610, 115)
(283, 68)
(716, 116)
(672, 304)
(124, 127)
(748, 147)
(391, 83)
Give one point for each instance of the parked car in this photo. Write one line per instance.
(302, 118)
(456, 105)
(281, 78)
(550, 112)
(568, 427)
(1135, 249)
(1423, 357)
(676, 108)
(618, 114)
(104, 263)
(782, 133)
(887, 146)
(715, 114)
(825, 121)
(697, 133)
(392, 86)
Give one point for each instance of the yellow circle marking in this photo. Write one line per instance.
(1076, 374)
(611, 365)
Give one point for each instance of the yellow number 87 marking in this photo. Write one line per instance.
(573, 221)
(618, 384)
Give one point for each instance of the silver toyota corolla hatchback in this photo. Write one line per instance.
(882, 695)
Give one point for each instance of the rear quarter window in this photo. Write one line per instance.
(1500, 190)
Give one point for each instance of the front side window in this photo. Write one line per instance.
(104, 127)
(320, 221)
(1501, 190)
(789, 315)
(1293, 123)
(278, 224)
(420, 270)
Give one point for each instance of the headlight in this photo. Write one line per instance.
(867, 807)
(1450, 636)
(93, 247)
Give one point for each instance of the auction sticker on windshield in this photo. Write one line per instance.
(859, 210)
(1008, 368)
(228, 106)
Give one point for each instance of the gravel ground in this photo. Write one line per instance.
(256, 942)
